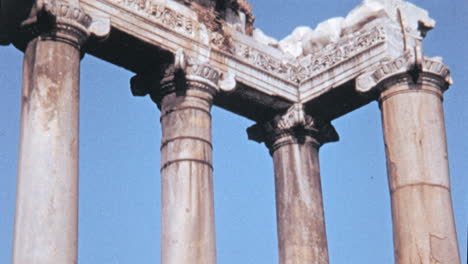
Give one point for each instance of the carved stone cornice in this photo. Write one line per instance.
(362, 43)
(62, 21)
(161, 13)
(262, 67)
(295, 126)
(293, 71)
(335, 53)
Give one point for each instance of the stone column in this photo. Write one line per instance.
(417, 166)
(185, 99)
(47, 189)
(294, 140)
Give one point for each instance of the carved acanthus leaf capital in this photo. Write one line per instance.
(292, 127)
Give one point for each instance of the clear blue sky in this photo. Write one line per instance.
(120, 135)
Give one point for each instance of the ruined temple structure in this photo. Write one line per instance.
(188, 55)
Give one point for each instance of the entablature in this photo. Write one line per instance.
(325, 69)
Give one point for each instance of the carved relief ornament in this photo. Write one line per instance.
(294, 71)
(161, 14)
(305, 68)
(335, 53)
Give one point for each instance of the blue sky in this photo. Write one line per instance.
(119, 158)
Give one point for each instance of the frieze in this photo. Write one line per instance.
(174, 20)
(335, 53)
(287, 69)
(162, 14)
(266, 62)
(158, 12)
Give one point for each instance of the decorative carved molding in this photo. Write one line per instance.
(357, 48)
(265, 62)
(238, 12)
(286, 69)
(311, 65)
(335, 53)
(291, 128)
(160, 13)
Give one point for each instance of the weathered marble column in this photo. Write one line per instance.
(417, 165)
(294, 140)
(47, 189)
(185, 99)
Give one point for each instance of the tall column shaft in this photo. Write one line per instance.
(299, 206)
(46, 219)
(47, 188)
(188, 234)
(418, 172)
(294, 139)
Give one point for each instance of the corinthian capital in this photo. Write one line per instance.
(295, 126)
